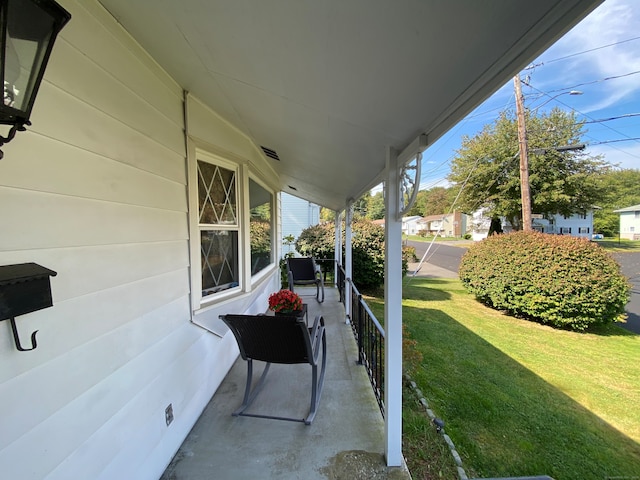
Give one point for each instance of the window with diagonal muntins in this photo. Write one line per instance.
(216, 195)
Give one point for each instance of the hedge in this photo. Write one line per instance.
(367, 250)
(558, 280)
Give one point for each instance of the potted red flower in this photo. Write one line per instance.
(285, 301)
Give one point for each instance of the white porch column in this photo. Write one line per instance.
(393, 313)
(337, 249)
(348, 259)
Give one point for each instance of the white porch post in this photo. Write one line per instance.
(337, 250)
(348, 259)
(393, 314)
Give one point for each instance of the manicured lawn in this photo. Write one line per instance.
(615, 245)
(520, 398)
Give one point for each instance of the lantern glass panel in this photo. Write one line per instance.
(29, 31)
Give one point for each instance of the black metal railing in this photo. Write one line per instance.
(368, 333)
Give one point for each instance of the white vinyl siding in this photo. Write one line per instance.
(96, 191)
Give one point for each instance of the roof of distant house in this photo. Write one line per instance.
(633, 208)
(431, 218)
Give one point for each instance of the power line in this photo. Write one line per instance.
(615, 141)
(582, 53)
(626, 115)
(615, 77)
(581, 113)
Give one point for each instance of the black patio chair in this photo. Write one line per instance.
(279, 339)
(304, 271)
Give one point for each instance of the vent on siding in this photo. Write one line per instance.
(270, 153)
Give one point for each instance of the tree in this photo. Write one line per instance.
(561, 182)
(622, 191)
(375, 207)
(438, 200)
(418, 206)
(361, 205)
(327, 215)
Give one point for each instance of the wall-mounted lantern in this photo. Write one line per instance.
(28, 29)
(24, 288)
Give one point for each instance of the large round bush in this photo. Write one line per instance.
(554, 279)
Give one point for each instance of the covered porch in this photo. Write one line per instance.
(346, 439)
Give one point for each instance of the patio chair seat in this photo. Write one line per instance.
(280, 340)
(304, 271)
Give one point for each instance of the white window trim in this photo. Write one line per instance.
(199, 302)
(247, 282)
(257, 278)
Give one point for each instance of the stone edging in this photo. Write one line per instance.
(456, 456)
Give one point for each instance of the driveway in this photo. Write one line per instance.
(630, 266)
(446, 255)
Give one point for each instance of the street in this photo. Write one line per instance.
(447, 256)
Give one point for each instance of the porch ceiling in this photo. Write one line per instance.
(328, 84)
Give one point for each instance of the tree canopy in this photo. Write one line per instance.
(561, 182)
(622, 191)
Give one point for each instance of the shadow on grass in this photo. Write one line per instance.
(504, 419)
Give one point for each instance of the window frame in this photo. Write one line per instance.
(246, 281)
(199, 300)
(258, 276)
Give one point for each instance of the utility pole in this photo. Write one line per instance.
(525, 192)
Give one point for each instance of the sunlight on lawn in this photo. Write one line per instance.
(520, 397)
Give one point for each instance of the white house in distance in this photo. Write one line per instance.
(161, 137)
(629, 222)
(411, 225)
(576, 225)
(296, 215)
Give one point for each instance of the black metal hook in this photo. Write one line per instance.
(34, 343)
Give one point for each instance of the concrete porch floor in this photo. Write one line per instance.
(345, 441)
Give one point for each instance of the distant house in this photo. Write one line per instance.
(410, 225)
(629, 222)
(481, 222)
(450, 225)
(576, 225)
(297, 215)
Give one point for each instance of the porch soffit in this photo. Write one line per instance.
(329, 84)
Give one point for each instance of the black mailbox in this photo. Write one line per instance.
(24, 288)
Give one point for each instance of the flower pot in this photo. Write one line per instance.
(291, 313)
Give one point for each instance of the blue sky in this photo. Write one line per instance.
(599, 57)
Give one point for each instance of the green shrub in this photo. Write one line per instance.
(367, 250)
(558, 280)
(317, 241)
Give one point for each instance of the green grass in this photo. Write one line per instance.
(520, 398)
(615, 245)
(426, 452)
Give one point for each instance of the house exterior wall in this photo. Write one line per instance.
(297, 214)
(630, 224)
(577, 225)
(410, 225)
(449, 225)
(98, 191)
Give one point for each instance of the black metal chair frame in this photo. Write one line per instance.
(305, 271)
(284, 340)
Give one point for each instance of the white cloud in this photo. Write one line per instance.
(614, 21)
(627, 156)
